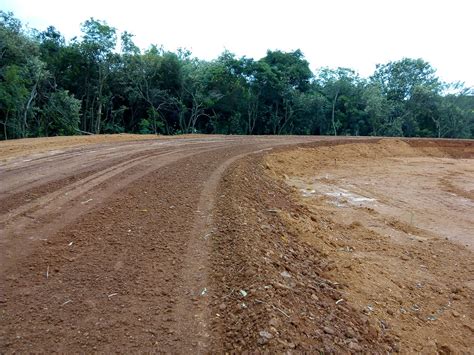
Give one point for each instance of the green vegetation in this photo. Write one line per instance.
(50, 87)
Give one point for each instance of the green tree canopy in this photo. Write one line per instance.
(102, 82)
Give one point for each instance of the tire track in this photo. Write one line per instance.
(41, 218)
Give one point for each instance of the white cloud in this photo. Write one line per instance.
(350, 33)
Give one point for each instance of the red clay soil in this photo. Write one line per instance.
(102, 247)
(175, 246)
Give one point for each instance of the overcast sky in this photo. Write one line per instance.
(348, 33)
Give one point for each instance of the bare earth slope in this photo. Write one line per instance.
(192, 244)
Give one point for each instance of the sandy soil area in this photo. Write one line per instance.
(396, 221)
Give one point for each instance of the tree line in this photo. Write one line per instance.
(52, 87)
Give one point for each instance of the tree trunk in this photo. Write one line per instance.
(99, 115)
(287, 118)
(99, 109)
(438, 126)
(154, 120)
(252, 110)
(102, 78)
(250, 122)
(333, 113)
(5, 126)
(25, 114)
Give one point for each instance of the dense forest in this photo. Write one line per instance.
(103, 83)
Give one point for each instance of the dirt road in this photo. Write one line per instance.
(164, 245)
(105, 247)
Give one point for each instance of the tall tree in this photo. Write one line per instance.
(399, 79)
(341, 87)
(99, 41)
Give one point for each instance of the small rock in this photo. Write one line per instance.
(455, 314)
(265, 334)
(314, 297)
(329, 330)
(384, 324)
(390, 312)
(354, 346)
(350, 333)
(286, 343)
(445, 349)
(279, 285)
(222, 306)
(274, 322)
(396, 347)
(285, 274)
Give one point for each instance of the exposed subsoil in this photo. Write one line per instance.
(205, 245)
(395, 222)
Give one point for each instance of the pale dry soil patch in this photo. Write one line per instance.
(54, 145)
(396, 222)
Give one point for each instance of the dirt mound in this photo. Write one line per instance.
(308, 159)
(450, 147)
